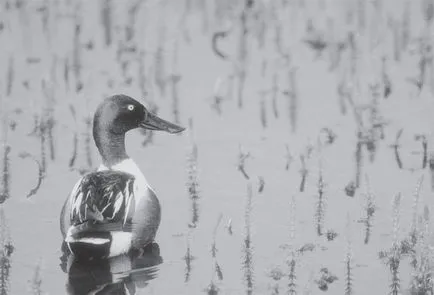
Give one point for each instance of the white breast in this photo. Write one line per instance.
(141, 185)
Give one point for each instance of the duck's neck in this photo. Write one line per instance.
(110, 145)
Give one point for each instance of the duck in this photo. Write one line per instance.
(113, 210)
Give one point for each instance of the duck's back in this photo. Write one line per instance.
(109, 210)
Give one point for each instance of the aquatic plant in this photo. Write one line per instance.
(415, 207)
(5, 173)
(193, 184)
(41, 173)
(6, 250)
(247, 248)
(320, 205)
(422, 273)
(369, 209)
(392, 257)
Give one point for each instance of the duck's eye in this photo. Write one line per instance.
(130, 107)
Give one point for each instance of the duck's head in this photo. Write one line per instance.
(119, 114)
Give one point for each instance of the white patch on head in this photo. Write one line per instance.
(121, 243)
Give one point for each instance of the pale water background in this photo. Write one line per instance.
(281, 217)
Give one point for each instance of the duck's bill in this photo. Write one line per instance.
(153, 122)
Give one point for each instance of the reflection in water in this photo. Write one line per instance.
(6, 249)
(118, 275)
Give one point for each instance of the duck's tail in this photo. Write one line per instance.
(92, 239)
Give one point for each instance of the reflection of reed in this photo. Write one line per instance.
(358, 159)
(247, 245)
(188, 259)
(6, 250)
(174, 79)
(193, 184)
(4, 193)
(106, 20)
(122, 274)
(37, 281)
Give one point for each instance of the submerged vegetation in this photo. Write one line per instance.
(322, 109)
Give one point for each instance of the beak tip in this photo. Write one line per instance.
(178, 130)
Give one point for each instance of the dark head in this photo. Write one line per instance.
(117, 115)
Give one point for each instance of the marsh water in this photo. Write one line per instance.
(287, 182)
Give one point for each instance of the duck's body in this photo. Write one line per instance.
(112, 210)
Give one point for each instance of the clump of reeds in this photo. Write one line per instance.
(349, 277)
(393, 256)
(188, 257)
(5, 180)
(42, 141)
(247, 247)
(358, 159)
(422, 276)
(320, 205)
(6, 250)
(291, 262)
(415, 209)
(193, 184)
(370, 211)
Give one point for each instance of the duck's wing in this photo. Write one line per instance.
(101, 201)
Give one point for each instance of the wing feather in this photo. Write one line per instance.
(103, 197)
